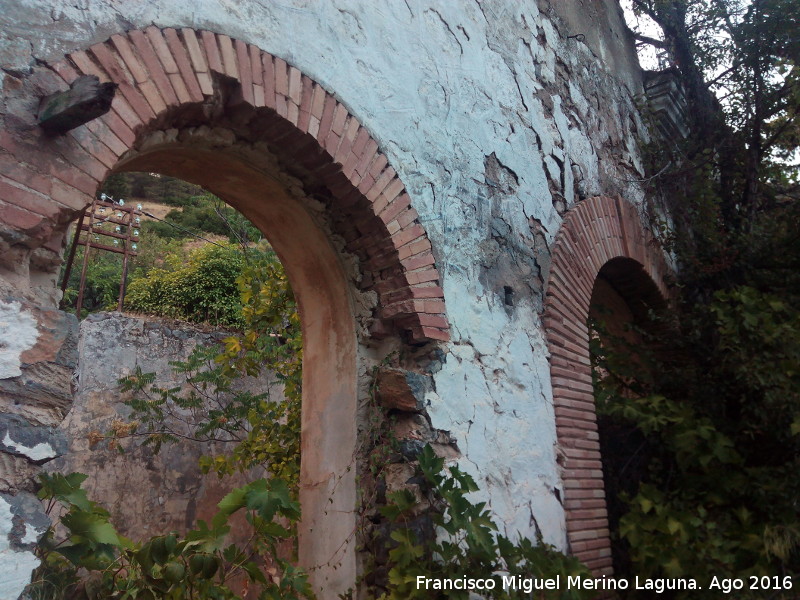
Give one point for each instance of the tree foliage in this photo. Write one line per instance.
(737, 62)
(467, 544)
(202, 287)
(706, 422)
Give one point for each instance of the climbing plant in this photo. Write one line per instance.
(461, 542)
(263, 430)
(706, 423)
(91, 560)
(701, 439)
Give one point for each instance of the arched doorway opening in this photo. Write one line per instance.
(287, 154)
(209, 399)
(330, 383)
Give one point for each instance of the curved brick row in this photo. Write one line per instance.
(593, 233)
(158, 71)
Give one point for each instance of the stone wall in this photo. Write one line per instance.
(38, 354)
(147, 493)
(493, 120)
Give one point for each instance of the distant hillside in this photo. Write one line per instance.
(181, 209)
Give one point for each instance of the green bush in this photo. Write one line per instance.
(101, 288)
(200, 288)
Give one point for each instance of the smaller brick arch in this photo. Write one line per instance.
(595, 233)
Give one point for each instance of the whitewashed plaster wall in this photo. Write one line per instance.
(498, 116)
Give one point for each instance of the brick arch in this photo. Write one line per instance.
(593, 235)
(168, 75)
(173, 81)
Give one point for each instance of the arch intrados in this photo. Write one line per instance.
(320, 285)
(629, 278)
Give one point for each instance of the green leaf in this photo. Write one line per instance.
(92, 527)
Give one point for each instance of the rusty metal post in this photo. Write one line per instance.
(124, 279)
(71, 258)
(87, 247)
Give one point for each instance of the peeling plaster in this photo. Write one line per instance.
(441, 88)
(16, 565)
(18, 333)
(41, 451)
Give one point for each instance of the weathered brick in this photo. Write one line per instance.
(16, 217)
(258, 96)
(21, 197)
(144, 100)
(307, 95)
(293, 116)
(416, 247)
(228, 56)
(77, 179)
(280, 105)
(364, 184)
(161, 49)
(69, 196)
(327, 118)
(432, 321)
(65, 70)
(86, 162)
(99, 128)
(418, 261)
(91, 144)
(318, 101)
(381, 182)
(348, 138)
(339, 118)
(369, 154)
(426, 291)
(423, 276)
(295, 86)
(183, 62)
(212, 53)
(198, 59)
(245, 72)
(153, 65)
(395, 207)
(313, 126)
(15, 170)
(268, 65)
(181, 91)
(107, 59)
(134, 66)
(281, 77)
(432, 333)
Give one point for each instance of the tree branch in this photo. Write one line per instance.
(650, 40)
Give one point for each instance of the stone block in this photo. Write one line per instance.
(36, 443)
(398, 389)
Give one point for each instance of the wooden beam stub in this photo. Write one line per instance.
(86, 99)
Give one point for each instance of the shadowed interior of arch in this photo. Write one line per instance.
(622, 314)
